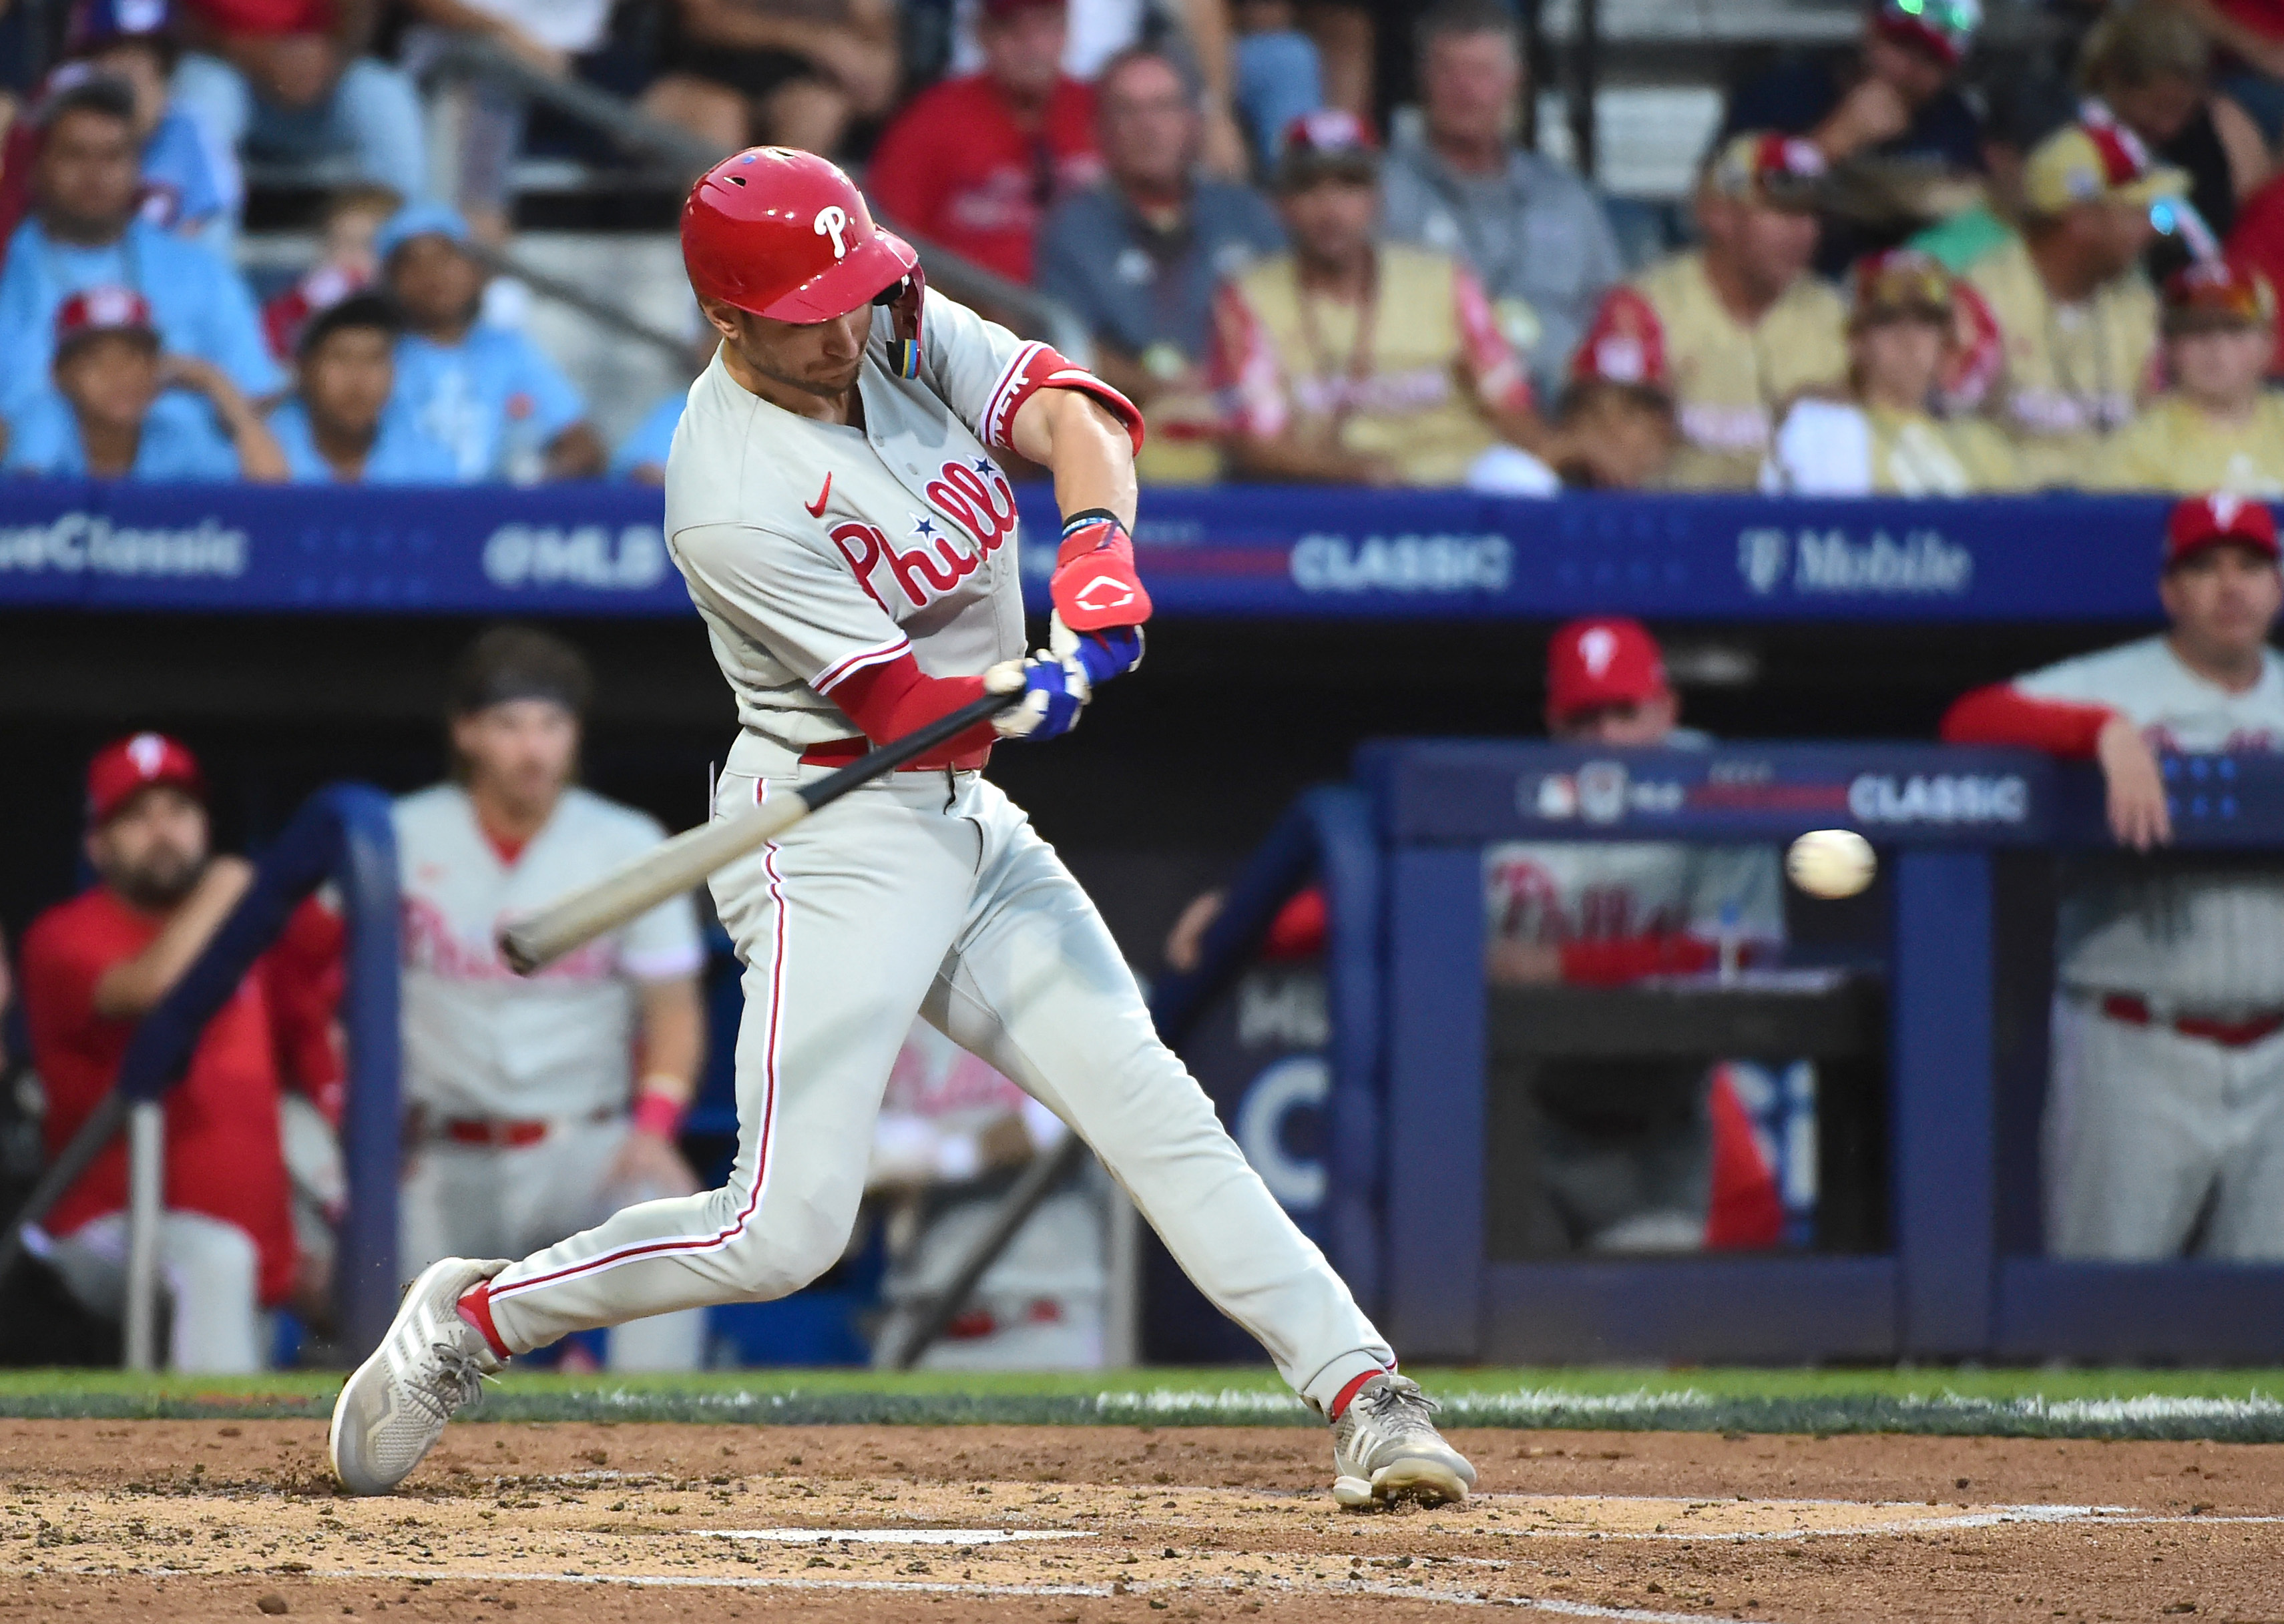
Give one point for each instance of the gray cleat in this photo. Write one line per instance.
(1385, 1449)
(431, 1364)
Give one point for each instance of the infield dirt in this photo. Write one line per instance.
(533, 1523)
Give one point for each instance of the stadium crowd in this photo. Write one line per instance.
(1910, 271)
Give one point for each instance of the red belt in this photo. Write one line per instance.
(840, 751)
(2228, 1034)
(507, 1132)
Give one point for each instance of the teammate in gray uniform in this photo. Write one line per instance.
(836, 502)
(2164, 1125)
(529, 1121)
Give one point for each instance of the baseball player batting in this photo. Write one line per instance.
(836, 503)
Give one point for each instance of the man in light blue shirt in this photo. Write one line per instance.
(114, 415)
(84, 234)
(343, 423)
(192, 182)
(488, 394)
(1535, 233)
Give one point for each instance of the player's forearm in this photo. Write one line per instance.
(888, 700)
(130, 988)
(673, 1038)
(1088, 451)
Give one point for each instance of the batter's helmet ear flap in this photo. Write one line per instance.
(905, 302)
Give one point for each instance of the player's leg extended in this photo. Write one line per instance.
(842, 927)
(1037, 986)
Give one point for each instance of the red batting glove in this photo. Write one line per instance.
(1095, 586)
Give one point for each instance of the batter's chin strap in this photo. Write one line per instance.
(903, 300)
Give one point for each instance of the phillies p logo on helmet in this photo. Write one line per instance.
(832, 221)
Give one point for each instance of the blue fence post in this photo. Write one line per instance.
(1347, 866)
(365, 1284)
(1940, 1072)
(1434, 1104)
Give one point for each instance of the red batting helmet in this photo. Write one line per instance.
(787, 235)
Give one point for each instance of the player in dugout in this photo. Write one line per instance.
(539, 1107)
(1657, 1160)
(92, 968)
(2164, 1123)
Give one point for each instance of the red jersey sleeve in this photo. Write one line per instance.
(303, 976)
(2004, 715)
(1501, 383)
(75, 1049)
(1248, 380)
(892, 698)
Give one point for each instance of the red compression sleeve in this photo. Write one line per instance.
(2004, 715)
(888, 700)
(1612, 962)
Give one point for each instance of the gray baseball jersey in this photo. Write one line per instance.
(479, 1040)
(1554, 892)
(815, 550)
(2202, 933)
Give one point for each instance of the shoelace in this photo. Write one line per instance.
(1401, 1409)
(459, 1381)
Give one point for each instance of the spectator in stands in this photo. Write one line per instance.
(2150, 63)
(2217, 428)
(84, 233)
(2251, 33)
(776, 71)
(974, 163)
(2165, 1119)
(1889, 117)
(541, 1105)
(346, 263)
(1737, 327)
(287, 79)
(2071, 323)
(92, 968)
(1138, 256)
(1885, 438)
(127, 412)
(344, 424)
(190, 181)
(548, 36)
(1529, 228)
(1349, 360)
(488, 395)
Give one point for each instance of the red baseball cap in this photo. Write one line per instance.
(126, 767)
(1608, 661)
(103, 310)
(2199, 522)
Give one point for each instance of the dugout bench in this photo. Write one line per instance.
(1413, 1192)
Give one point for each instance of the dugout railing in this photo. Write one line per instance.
(1407, 1140)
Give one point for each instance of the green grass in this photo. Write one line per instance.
(2238, 1405)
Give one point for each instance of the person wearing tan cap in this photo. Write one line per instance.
(2075, 321)
(1737, 328)
(1885, 438)
(2217, 428)
(1353, 360)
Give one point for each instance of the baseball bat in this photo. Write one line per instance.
(676, 865)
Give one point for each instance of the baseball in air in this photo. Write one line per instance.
(1831, 862)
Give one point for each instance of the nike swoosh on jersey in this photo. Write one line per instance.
(816, 508)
